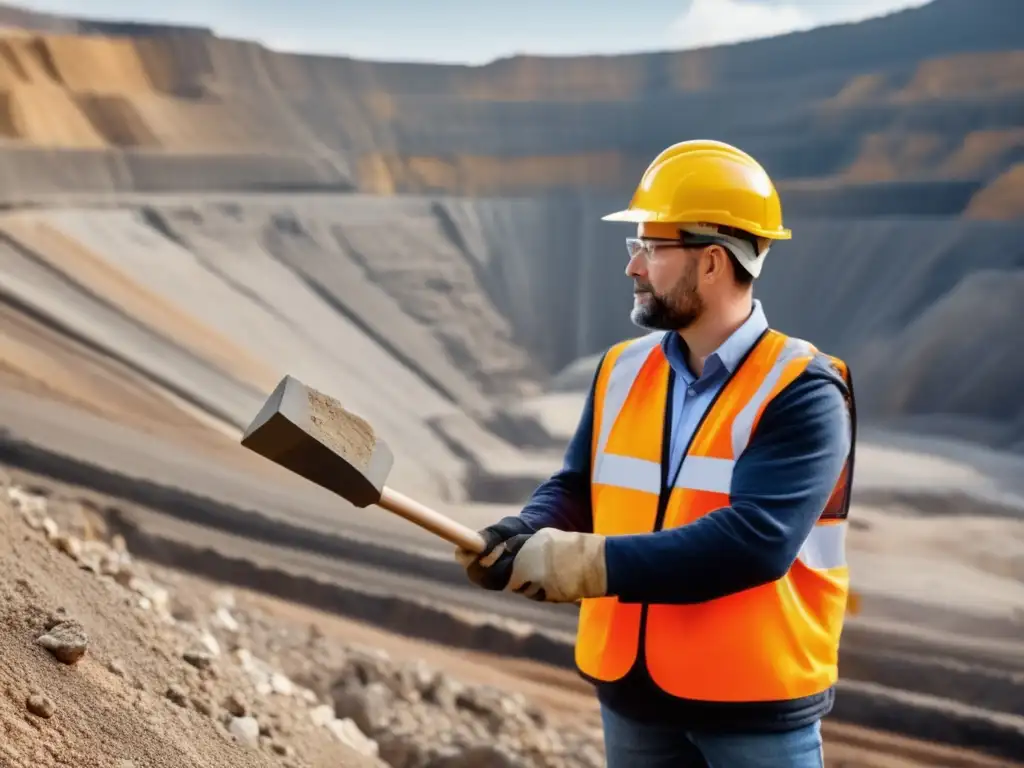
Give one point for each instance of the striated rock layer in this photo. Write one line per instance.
(931, 96)
(435, 309)
(427, 243)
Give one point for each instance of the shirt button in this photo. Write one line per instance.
(691, 392)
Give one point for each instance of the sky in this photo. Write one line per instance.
(478, 31)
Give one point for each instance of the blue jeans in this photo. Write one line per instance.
(630, 744)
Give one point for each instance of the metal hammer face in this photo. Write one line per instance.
(311, 434)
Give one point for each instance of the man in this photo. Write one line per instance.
(700, 515)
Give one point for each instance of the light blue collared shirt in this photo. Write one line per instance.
(691, 395)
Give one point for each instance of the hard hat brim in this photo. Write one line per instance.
(638, 215)
(628, 215)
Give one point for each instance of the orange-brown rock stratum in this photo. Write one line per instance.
(930, 96)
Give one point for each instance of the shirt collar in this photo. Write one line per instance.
(729, 353)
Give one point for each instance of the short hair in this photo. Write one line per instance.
(740, 273)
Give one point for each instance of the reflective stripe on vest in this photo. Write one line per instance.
(776, 641)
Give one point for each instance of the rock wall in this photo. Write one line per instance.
(930, 96)
(465, 262)
(457, 308)
(913, 305)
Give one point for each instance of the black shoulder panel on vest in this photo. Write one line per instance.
(823, 366)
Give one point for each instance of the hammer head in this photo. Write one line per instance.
(312, 435)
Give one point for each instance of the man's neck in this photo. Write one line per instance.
(711, 331)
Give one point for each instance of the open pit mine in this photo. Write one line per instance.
(186, 218)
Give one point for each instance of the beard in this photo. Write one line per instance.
(675, 310)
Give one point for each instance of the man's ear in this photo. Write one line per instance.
(717, 264)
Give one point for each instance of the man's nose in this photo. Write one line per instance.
(636, 266)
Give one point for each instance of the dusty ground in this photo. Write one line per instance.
(133, 696)
(178, 672)
(176, 665)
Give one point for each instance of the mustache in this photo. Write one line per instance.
(641, 287)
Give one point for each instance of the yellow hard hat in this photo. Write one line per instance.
(707, 181)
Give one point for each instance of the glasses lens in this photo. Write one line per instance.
(636, 247)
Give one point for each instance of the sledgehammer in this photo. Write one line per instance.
(311, 434)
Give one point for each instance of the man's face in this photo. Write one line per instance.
(666, 296)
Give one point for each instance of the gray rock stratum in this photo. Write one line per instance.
(425, 240)
(435, 315)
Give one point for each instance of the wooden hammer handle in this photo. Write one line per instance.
(431, 520)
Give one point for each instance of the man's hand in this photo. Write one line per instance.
(558, 566)
(492, 568)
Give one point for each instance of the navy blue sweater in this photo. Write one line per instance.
(780, 484)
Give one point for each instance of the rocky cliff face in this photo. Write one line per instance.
(930, 96)
(442, 224)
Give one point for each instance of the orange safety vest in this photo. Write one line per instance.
(777, 641)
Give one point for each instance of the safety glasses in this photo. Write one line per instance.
(648, 247)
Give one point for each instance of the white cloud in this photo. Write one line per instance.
(719, 22)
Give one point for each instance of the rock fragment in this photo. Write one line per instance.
(236, 704)
(40, 705)
(281, 749)
(246, 730)
(368, 707)
(281, 685)
(178, 695)
(69, 545)
(200, 659)
(322, 714)
(67, 641)
(348, 732)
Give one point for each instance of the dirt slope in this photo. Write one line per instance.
(150, 666)
(176, 665)
(115, 684)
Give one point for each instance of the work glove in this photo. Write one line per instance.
(492, 568)
(558, 566)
